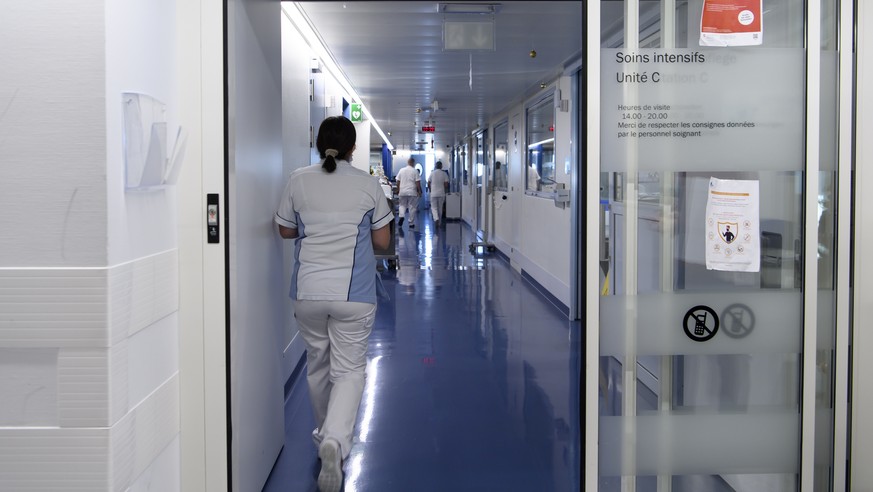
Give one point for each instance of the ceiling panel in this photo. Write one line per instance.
(392, 52)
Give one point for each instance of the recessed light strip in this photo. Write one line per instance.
(298, 17)
(468, 8)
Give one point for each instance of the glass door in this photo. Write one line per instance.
(715, 252)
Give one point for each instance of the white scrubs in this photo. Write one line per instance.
(438, 180)
(408, 192)
(334, 285)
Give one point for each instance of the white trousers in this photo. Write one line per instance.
(410, 202)
(436, 206)
(336, 335)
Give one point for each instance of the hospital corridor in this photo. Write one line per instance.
(436, 246)
(459, 395)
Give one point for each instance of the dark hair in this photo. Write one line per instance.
(439, 164)
(336, 133)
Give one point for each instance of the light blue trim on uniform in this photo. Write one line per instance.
(362, 284)
(383, 218)
(301, 233)
(285, 222)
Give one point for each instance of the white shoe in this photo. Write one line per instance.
(331, 477)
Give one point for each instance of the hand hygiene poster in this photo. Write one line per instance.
(733, 236)
(731, 23)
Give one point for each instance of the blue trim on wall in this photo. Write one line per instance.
(538, 286)
(502, 254)
(387, 161)
(548, 295)
(299, 370)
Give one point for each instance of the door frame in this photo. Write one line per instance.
(202, 47)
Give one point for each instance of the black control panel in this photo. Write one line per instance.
(213, 231)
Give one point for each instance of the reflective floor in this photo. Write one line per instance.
(473, 381)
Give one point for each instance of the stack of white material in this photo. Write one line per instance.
(89, 391)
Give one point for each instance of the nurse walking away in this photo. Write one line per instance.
(437, 185)
(409, 189)
(338, 215)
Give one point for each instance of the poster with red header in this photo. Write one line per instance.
(731, 23)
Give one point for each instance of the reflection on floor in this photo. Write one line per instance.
(473, 381)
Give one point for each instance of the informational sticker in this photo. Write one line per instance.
(733, 231)
(738, 320)
(212, 214)
(700, 323)
(731, 23)
(356, 113)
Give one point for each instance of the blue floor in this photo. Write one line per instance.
(472, 381)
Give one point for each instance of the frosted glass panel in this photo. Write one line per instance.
(702, 109)
(703, 444)
(749, 323)
(743, 366)
(700, 370)
(700, 386)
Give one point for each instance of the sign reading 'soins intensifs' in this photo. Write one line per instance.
(704, 109)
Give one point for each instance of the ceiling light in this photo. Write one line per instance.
(469, 8)
(294, 12)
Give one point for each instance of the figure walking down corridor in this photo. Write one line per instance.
(438, 186)
(409, 191)
(337, 214)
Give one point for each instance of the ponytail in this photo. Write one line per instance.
(329, 163)
(336, 140)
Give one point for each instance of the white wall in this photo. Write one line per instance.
(541, 243)
(296, 57)
(91, 355)
(333, 97)
(52, 135)
(256, 259)
(140, 57)
(361, 157)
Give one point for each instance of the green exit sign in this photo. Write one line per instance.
(357, 113)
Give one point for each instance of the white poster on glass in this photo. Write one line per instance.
(731, 23)
(733, 233)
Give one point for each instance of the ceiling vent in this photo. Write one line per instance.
(468, 35)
